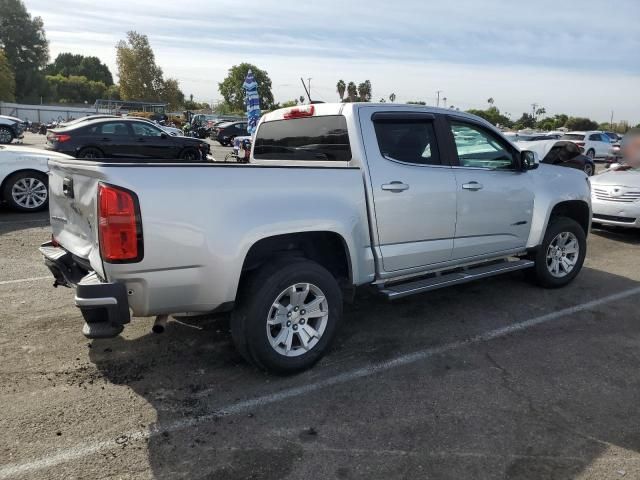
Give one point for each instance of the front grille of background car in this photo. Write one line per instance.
(613, 218)
(626, 197)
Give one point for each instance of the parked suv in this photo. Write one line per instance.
(336, 196)
(10, 128)
(593, 144)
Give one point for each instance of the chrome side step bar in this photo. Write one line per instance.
(400, 290)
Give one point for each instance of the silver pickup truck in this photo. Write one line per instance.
(336, 196)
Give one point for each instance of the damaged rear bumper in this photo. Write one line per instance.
(104, 305)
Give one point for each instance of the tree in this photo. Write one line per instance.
(382, 100)
(490, 101)
(233, 92)
(581, 123)
(26, 48)
(525, 121)
(140, 77)
(392, 97)
(340, 88)
(289, 103)
(416, 102)
(364, 91)
(492, 115)
(540, 111)
(7, 80)
(352, 92)
(68, 64)
(171, 94)
(73, 89)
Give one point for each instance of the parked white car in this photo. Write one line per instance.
(23, 177)
(615, 197)
(594, 144)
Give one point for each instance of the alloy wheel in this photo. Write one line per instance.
(562, 254)
(297, 319)
(29, 192)
(5, 135)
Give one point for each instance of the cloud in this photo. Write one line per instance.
(499, 46)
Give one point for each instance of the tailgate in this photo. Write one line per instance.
(73, 191)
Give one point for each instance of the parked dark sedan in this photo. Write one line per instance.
(224, 133)
(124, 138)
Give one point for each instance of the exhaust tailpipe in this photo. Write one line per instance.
(160, 324)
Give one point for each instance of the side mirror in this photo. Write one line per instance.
(529, 160)
(163, 135)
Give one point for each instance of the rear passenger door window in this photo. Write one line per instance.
(407, 140)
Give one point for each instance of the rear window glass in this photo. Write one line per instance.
(314, 138)
(572, 136)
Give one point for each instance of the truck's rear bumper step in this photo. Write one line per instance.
(400, 290)
(104, 306)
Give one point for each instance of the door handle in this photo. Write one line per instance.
(395, 186)
(473, 186)
(106, 139)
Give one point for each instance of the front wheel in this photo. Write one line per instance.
(588, 169)
(560, 256)
(287, 316)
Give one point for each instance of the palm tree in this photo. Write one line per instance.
(392, 97)
(490, 101)
(352, 91)
(341, 87)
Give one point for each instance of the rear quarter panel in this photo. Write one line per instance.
(199, 222)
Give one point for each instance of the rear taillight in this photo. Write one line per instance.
(580, 144)
(299, 112)
(58, 137)
(119, 225)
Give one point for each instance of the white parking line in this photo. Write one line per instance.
(22, 280)
(88, 448)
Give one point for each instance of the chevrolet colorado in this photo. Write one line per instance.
(335, 196)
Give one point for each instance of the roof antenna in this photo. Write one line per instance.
(304, 85)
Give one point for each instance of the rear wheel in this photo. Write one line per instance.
(26, 191)
(287, 315)
(6, 135)
(90, 153)
(190, 154)
(591, 153)
(560, 256)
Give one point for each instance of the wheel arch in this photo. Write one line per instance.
(22, 170)
(328, 248)
(577, 210)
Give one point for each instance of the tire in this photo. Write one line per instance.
(552, 248)
(190, 154)
(591, 153)
(6, 135)
(26, 191)
(267, 346)
(90, 153)
(588, 169)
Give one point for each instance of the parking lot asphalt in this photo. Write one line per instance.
(494, 379)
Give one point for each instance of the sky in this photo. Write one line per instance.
(579, 57)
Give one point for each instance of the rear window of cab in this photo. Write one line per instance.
(322, 138)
